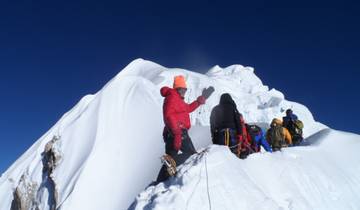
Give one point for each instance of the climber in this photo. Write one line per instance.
(178, 145)
(290, 116)
(256, 138)
(226, 126)
(295, 127)
(278, 136)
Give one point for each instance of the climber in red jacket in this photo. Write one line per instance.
(177, 122)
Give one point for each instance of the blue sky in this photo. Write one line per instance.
(52, 53)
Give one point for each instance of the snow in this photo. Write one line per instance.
(110, 144)
(322, 176)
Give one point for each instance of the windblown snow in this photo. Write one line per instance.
(104, 153)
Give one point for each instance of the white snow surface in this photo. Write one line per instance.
(110, 144)
(321, 176)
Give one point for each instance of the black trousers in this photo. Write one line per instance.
(187, 149)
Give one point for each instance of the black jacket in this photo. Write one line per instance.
(225, 115)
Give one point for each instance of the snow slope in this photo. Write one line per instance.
(321, 176)
(109, 144)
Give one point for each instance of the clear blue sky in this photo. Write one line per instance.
(52, 53)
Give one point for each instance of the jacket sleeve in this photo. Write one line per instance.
(267, 136)
(265, 144)
(194, 105)
(287, 136)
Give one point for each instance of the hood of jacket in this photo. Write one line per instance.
(166, 91)
(276, 122)
(227, 99)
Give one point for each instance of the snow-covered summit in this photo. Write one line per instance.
(256, 102)
(106, 150)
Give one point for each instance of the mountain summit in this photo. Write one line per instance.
(106, 150)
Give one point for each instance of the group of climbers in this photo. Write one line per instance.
(227, 127)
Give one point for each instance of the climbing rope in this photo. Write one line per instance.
(207, 182)
(196, 185)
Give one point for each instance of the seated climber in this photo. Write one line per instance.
(256, 138)
(225, 124)
(278, 136)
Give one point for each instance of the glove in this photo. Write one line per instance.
(207, 92)
(201, 100)
(177, 142)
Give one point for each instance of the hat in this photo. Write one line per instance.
(289, 112)
(179, 82)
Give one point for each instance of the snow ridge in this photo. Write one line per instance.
(296, 178)
(110, 142)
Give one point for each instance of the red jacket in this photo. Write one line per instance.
(176, 111)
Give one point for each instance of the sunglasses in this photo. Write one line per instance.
(181, 90)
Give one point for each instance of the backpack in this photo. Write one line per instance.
(295, 127)
(299, 124)
(253, 132)
(277, 137)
